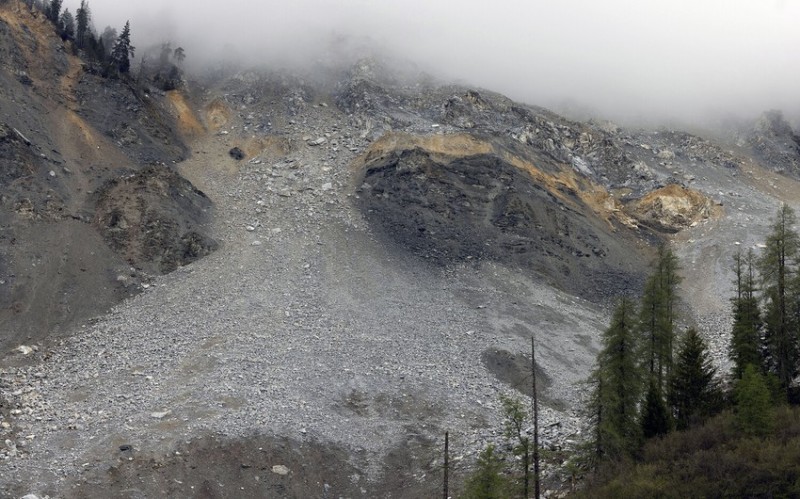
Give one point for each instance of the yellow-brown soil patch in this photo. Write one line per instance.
(188, 123)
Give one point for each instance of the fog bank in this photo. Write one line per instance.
(673, 59)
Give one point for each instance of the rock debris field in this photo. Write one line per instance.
(336, 356)
(301, 325)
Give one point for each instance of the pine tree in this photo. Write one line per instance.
(514, 430)
(109, 38)
(754, 411)
(486, 482)
(618, 386)
(655, 419)
(83, 19)
(692, 389)
(745, 345)
(67, 24)
(123, 50)
(778, 272)
(179, 55)
(53, 11)
(657, 316)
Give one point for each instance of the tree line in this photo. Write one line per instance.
(110, 53)
(650, 381)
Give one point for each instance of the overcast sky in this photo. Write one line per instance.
(672, 57)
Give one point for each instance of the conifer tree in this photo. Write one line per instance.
(109, 38)
(657, 316)
(514, 430)
(82, 19)
(777, 268)
(745, 345)
(618, 386)
(67, 24)
(692, 389)
(486, 482)
(123, 50)
(53, 11)
(179, 55)
(754, 412)
(655, 419)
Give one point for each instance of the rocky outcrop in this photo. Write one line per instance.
(671, 208)
(773, 141)
(459, 198)
(155, 219)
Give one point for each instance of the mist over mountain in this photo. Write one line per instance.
(291, 249)
(678, 60)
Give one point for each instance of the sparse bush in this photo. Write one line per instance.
(487, 482)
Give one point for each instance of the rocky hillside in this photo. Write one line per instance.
(386, 248)
(91, 207)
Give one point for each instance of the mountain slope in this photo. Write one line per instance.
(386, 250)
(67, 137)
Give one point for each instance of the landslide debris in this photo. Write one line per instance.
(69, 141)
(155, 219)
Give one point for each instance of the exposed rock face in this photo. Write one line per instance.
(773, 140)
(66, 138)
(155, 219)
(456, 198)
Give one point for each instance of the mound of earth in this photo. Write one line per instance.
(153, 218)
(671, 208)
(457, 198)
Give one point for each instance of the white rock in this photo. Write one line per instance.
(280, 469)
(160, 415)
(327, 186)
(24, 349)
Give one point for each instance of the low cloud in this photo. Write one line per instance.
(676, 59)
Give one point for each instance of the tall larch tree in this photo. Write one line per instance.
(618, 385)
(778, 271)
(745, 347)
(657, 316)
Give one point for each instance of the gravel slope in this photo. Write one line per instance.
(305, 326)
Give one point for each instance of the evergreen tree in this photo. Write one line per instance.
(67, 24)
(109, 38)
(745, 345)
(777, 268)
(618, 386)
(53, 11)
(123, 50)
(655, 419)
(82, 29)
(179, 55)
(514, 430)
(486, 482)
(657, 316)
(754, 411)
(692, 389)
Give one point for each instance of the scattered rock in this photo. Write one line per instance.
(236, 154)
(24, 349)
(280, 469)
